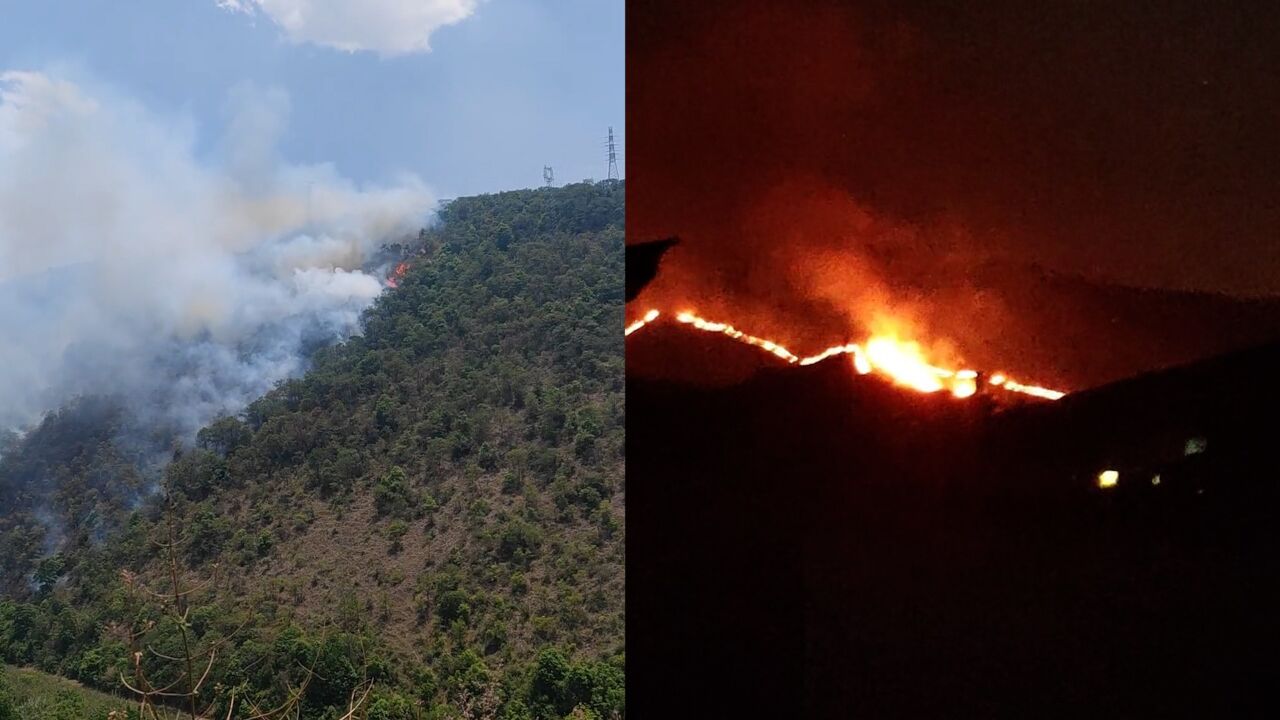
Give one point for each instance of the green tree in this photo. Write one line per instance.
(390, 706)
(48, 572)
(392, 495)
(547, 696)
(224, 436)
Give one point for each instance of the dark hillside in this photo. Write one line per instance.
(839, 547)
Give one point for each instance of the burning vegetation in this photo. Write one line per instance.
(393, 280)
(902, 361)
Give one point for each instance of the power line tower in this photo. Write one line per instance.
(548, 175)
(613, 156)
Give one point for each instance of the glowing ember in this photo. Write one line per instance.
(648, 318)
(901, 361)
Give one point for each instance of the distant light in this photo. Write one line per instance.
(1155, 479)
(1108, 478)
(1195, 446)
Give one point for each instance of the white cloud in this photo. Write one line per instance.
(387, 27)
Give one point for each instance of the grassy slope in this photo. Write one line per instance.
(40, 695)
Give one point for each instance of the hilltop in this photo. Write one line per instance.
(1060, 331)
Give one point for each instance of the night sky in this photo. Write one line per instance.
(1128, 142)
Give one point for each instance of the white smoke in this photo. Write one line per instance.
(387, 27)
(191, 284)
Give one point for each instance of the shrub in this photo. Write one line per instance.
(518, 541)
(395, 533)
(454, 605)
(392, 495)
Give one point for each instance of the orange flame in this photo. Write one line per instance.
(966, 383)
(766, 345)
(905, 363)
(1035, 390)
(648, 318)
(901, 361)
(393, 280)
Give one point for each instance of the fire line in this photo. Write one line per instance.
(901, 361)
(648, 318)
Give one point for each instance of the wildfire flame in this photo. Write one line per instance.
(393, 280)
(766, 345)
(648, 318)
(901, 361)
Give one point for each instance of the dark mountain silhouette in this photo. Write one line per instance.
(833, 546)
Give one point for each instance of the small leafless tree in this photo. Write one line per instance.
(186, 695)
(483, 705)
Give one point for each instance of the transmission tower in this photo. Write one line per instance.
(613, 156)
(548, 175)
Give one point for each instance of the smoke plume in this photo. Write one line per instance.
(187, 282)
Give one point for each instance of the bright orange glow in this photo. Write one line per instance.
(861, 363)
(901, 361)
(1108, 479)
(905, 363)
(648, 318)
(963, 387)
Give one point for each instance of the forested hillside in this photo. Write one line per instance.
(436, 507)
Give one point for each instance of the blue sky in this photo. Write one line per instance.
(513, 86)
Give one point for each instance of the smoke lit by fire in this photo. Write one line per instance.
(902, 361)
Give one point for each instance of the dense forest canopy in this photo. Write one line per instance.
(436, 505)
